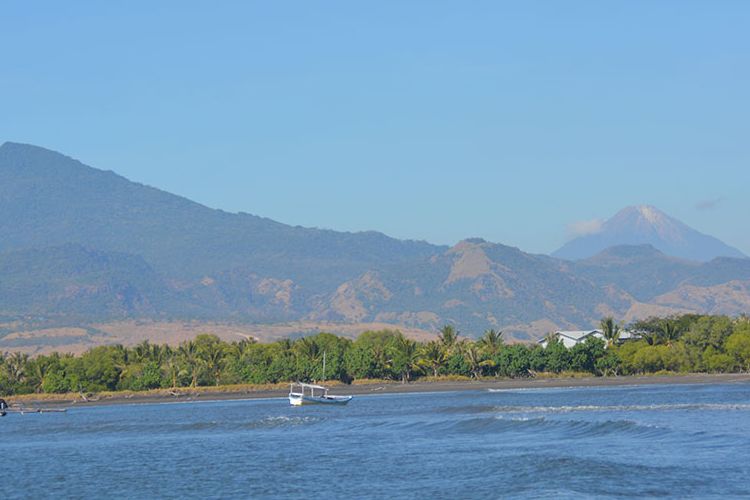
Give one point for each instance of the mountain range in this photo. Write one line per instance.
(85, 248)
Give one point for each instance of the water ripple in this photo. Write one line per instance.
(596, 408)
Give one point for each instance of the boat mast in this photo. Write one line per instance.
(324, 366)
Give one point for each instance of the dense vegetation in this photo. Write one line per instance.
(689, 343)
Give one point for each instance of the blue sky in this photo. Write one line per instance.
(512, 121)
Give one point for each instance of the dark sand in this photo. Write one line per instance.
(206, 394)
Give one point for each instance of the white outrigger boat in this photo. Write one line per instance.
(309, 394)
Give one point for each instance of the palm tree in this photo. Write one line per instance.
(158, 353)
(286, 344)
(189, 355)
(211, 356)
(173, 369)
(448, 336)
(433, 356)
(491, 342)
(473, 356)
(142, 352)
(405, 357)
(669, 331)
(15, 368)
(123, 359)
(40, 371)
(610, 330)
(308, 354)
(651, 338)
(380, 360)
(239, 349)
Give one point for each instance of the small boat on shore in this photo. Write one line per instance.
(5, 408)
(309, 394)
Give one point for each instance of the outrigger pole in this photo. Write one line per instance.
(5, 409)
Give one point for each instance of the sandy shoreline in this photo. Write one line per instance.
(280, 391)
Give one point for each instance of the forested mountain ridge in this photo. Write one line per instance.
(48, 199)
(81, 245)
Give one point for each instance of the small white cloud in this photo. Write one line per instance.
(708, 204)
(584, 227)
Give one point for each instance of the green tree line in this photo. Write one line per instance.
(688, 343)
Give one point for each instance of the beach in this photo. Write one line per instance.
(364, 388)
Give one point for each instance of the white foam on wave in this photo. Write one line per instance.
(564, 388)
(281, 421)
(598, 408)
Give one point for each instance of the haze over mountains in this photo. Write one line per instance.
(83, 247)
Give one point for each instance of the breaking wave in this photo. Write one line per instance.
(281, 421)
(516, 409)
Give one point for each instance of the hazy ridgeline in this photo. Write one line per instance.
(83, 246)
(688, 343)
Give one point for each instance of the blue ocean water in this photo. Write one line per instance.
(686, 441)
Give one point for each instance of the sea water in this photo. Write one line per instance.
(686, 441)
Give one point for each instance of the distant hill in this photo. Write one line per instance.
(647, 225)
(48, 199)
(86, 254)
(645, 273)
(640, 270)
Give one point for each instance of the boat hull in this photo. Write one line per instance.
(316, 400)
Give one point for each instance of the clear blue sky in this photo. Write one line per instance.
(427, 120)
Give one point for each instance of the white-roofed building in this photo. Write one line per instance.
(626, 335)
(571, 338)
